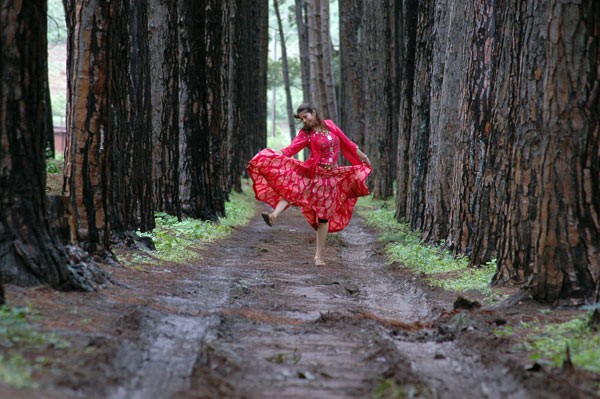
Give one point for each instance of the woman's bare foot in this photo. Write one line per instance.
(319, 262)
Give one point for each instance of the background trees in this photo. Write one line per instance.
(500, 120)
(30, 252)
(484, 114)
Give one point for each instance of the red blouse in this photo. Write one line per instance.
(324, 147)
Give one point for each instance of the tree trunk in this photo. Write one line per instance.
(30, 254)
(352, 104)
(128, 127)
(566, 248)
(85, 175)
(202, 113)
(301, 17)
(421, 117)
(322, 87)
(164, 95)
(380, 93)
(407, 47)
(286, 73)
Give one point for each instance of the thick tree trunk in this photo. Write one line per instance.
(129, 122)
(420, 116)
(164, 95)
(380, 93)
(248, 84)
(202, 116)
(407, 47)
(567, 239)
(86, 149)
(30, 254)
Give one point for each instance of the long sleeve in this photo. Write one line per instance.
(298, 143)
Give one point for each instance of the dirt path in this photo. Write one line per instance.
(256, 319)
(263, 322)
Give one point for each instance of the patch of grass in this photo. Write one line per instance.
(406, 248)
(388, 388)
(477, 279)
(17, 333)
(178, 241)
(548, 343)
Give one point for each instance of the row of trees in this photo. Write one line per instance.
(485, 115)
(166, 103)
(495, 109)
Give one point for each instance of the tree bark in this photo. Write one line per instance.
(128, 126)
(85, 174)
(202, 112)
(407, 48)
(380, 93)
(164, 96)
(567, 239)
(352, 104)
(301, 22)
(30, 253)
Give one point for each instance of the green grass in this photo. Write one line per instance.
(405, 248)
(17, 333)
(549, 343)
(179, 241)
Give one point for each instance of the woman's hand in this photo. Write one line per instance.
(363, 157)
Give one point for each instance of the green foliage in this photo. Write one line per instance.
(16, 332)
(15, 371)
(178, 241)
(549, 343)
(53, 166)
(275, 73)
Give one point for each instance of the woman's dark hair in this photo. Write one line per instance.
(307, 107)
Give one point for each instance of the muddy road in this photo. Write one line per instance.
(254, 318)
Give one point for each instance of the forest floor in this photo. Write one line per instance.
(252, 317)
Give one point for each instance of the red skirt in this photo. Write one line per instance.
(331, 194)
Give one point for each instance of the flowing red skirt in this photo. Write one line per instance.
(331, 194)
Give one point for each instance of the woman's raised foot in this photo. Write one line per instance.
(269, 218)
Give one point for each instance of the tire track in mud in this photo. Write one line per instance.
(261, 321)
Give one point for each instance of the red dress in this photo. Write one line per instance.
(318, 186)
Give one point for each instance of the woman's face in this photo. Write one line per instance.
(309, 119)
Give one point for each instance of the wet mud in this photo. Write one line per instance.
(254, 318)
